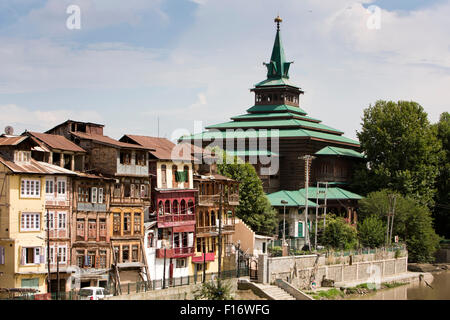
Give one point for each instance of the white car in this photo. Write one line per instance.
(94, 293)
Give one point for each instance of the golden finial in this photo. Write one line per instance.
(278, 20)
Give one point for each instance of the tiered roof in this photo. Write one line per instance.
(291, 120)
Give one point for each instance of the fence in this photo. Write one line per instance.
(275, 249)
(141, 286)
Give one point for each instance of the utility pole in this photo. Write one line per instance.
(204, 260)
(317, 211)
(307, 159)
(164, 268)
(48, 252)
(57, 276)
(220, 230)
(394, 199)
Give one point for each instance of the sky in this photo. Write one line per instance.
(136, 63)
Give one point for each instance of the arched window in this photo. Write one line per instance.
(207, 221)
(163, 176)
(175, 207)
(160, 208)
(191, 208)
(167, 207)
(183, 206)
(174, 174)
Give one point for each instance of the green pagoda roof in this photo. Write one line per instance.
(283, 133)
(332, 193)
(285, 115)
(293, 198)
(276, 108)
(275, 124)
(335, 151)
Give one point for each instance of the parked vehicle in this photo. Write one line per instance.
(94, 293)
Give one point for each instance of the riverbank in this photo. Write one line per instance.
(355, 289)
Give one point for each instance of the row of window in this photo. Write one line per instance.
(139, 157)
(92, 228)
(177, 176)
(90, 194)
(174, 208)
(31, 221)
(126, 222)
(122, 253)
(56, 251)
(90, 259)
(275, 98)
(31, 188)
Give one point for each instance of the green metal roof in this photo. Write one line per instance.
(276, 107)
(273, 123)
(332, 193)
(335, 151)
(275, 82)
(250, 153)
(294, 199)
(283, 133)
(272, 115)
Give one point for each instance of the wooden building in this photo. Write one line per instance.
(129, 195)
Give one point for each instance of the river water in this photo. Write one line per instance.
(416, 290)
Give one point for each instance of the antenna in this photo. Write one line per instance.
(9, 130)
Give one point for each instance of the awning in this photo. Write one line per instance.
(208, 258)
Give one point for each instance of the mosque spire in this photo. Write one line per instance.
(277, 68)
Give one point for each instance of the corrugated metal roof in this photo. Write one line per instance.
(293, 198)
(57, 142)
(162, 148)
(11, 141)
(35, 167)
(329, 150)
(249, 153)
(332, 193)
(107, 140)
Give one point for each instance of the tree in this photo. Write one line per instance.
(441, 211)
(254, 206)
(371, 232)
(412, 223)
(401, 148)
(338, 234)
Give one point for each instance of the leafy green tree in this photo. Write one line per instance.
(338, 234)
(254, 206)
(371, 232)
(441, 210)
(402, 150)
(412, 223)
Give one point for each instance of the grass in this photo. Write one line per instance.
(330, 294)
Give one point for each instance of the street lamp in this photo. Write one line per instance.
(284, 202)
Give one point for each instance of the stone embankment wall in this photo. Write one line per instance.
(175, 293)
(297, 270)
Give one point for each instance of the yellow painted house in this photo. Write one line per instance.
(22, 216)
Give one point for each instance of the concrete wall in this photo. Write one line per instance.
(177, 293)
(298, 269)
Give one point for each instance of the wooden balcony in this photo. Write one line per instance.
(214, 230)
(214, 200)
(175, 252)
(176, 217)
(233, 199)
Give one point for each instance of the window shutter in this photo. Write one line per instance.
(2, 255)
(22, 258)
(86, 260)
(37, 258)
(41, 256)
(190, 239)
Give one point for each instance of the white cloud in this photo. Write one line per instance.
(22, 118)
(340, 63)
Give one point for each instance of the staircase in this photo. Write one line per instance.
(274, 292)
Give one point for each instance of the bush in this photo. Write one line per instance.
(214, 290)
(275, 251)
(339, 234)
(371, 232)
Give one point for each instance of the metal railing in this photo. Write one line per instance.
(141, 286)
